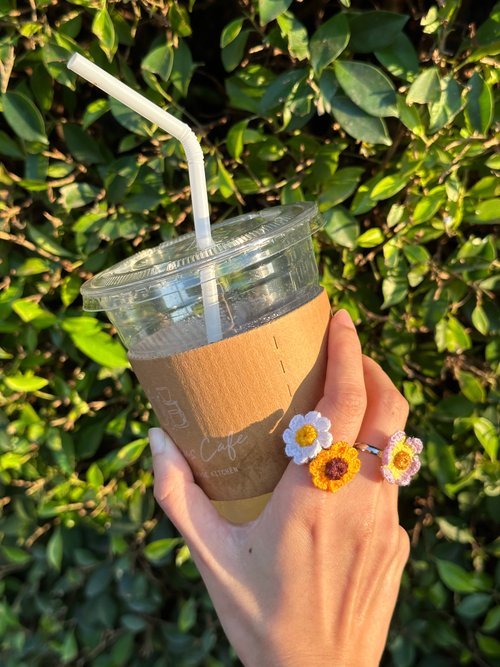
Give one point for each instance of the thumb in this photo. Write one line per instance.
(182, 500)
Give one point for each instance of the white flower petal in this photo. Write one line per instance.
(325, 439)
(312, 416)
(297, 422)
(288, 436)
(323, 424)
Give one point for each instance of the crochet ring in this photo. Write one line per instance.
(400, 458)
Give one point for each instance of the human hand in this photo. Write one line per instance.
(314, 580)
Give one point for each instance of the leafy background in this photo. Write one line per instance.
(385, 115)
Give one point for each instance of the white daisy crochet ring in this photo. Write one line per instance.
(400, 458)
(306, 436)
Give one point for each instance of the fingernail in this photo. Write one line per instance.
(157, 441)
(342, 317)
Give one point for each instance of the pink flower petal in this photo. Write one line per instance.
(416, 444)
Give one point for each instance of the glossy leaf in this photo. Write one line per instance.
(328, 42)
(159, 61)
(368, 87)
(375, 30)
(23, 117)
(357, 123)
(270, 9)
(341, 227)
(400, 58)
(426, 88)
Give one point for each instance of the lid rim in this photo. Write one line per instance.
(244, 241)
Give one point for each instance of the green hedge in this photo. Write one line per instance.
(386, 119)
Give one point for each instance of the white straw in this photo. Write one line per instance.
(145, 108)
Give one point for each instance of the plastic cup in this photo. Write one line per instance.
(265, 269)
(263, 262)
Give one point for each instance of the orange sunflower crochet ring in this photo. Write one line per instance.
(308, 440)
(400, 460)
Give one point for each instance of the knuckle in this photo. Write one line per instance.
(395, 404)
(351, 401)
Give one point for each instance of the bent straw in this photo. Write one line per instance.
(145, 108)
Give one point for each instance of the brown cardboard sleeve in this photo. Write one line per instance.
(226, 404)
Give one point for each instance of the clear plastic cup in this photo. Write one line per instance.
(263, 263)
(225, 404)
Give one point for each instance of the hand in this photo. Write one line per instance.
(314, 579)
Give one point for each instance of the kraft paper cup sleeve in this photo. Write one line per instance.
(226, 404)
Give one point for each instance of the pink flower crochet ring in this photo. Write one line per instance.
(400, 459)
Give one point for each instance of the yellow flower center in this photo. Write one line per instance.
(306, 435)
(402, 460)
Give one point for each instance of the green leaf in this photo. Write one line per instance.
(33, 266)
(104, 30)
(492, 620)
(26, 382)
(46, 243)
(76, 195)
(102, 349)
(471, 387)
(429, 205)
(187, 615)
(455, 577)
(270, 9)
(389, 186)
(127, 455)
(451, 335)
(15, 555)
(296, 35)
(343, 184)
(232, 54)
(82, 146)
(9, 147)
(400, 58)
(426, 88)
(394, 289)
(23, 117)
(70, 289)
(94, 111)
(480, 320)
(367, 86)
(341, 227)
(487, 435)
(480, 105)
(183, 68)
(55, 549)
(155, 551)
(410, 116)
(357, 123)
(159, 60)
(443, 111)
(487, 211)
(474, 605)
(280, 89)
(370, 238)
(235, 139)
(230, 32)
(488, 645)
(328, 42)
(375, 30)
(94, 475)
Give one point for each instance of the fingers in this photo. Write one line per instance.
(343, 402)
(344, 399)
(182, 499)
(386, 412)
